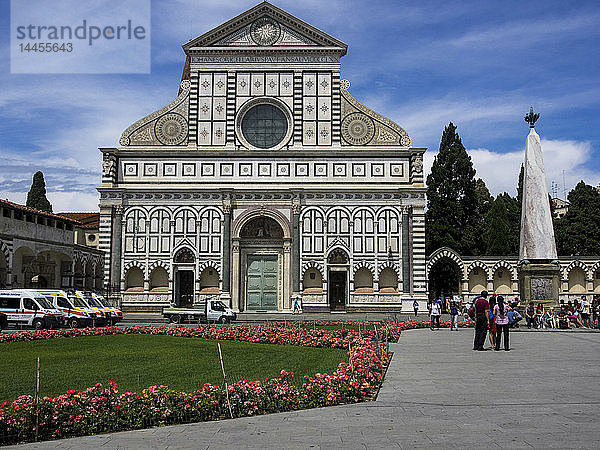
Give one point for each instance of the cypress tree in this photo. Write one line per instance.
(502, 228)
(578, 231)
(36, 197)
(451, 219)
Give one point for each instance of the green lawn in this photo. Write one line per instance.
(135, 362)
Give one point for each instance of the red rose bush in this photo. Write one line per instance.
(105, 409)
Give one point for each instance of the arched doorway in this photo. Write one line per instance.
(183, 266)
(261, 249)
(337, 279)
(444, 279)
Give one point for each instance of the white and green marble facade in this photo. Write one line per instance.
(343, 180)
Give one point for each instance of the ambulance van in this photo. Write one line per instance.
(26, 307)
(75, 310)
(102, 314)
(97, 301)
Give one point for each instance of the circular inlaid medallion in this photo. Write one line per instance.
(171, 129)
(357, 129)
(265, 31)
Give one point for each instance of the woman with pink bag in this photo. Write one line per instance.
(501, 318)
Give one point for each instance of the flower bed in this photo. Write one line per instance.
(105, 409)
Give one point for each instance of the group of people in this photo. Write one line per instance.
(578, 314)
(497, 315)
(492, 315)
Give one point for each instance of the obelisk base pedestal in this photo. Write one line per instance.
(539, 283)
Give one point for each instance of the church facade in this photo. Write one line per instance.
(263, 180)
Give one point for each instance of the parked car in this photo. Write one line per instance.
(29, 308)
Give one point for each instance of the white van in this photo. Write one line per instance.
(75, 310)
(29, 308)
(116, 315)
(102, 315)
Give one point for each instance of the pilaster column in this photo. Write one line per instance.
(226, 246)
(235, 297)
(296, 247)
(286, 303)
(115, 266)
(406, 269)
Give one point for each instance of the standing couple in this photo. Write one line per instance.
(483, 316)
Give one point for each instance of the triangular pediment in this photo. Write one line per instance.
(265, 26)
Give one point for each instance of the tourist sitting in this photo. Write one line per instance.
(530, 315)
(551, 318)
(513, 318)
(563, 318)
(573, 314)
(540, 316)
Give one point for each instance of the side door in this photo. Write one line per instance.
(30, 310)
(64, 306)
(214, 310)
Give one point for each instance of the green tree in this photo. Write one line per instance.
(578, 231)
(520, 186)
(502, 227)
(478, 224)
(451, 219)
(36, 197)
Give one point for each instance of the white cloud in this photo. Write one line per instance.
(500, 171)
(61, 201)
(526, 33)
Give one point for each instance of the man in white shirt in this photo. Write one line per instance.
(435, 314)
(585, 314)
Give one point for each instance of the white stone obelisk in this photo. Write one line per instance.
(537, 233)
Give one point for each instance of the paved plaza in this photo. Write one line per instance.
(437, 393)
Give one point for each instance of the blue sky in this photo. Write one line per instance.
(479, 64)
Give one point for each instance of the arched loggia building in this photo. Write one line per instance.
(580, 275)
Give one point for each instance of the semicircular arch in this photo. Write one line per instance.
(247, 216)
(441, 253)
(505, 265)
(580, 264)
(313, 265)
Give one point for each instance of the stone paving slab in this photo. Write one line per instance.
(438, 393)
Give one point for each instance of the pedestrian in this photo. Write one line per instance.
(492, 324)
(453, 316)
(481, 320)
(416, 307)
(297, 308)
(435, 314)
(501, 318)
(585, 314)
(530, 315)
